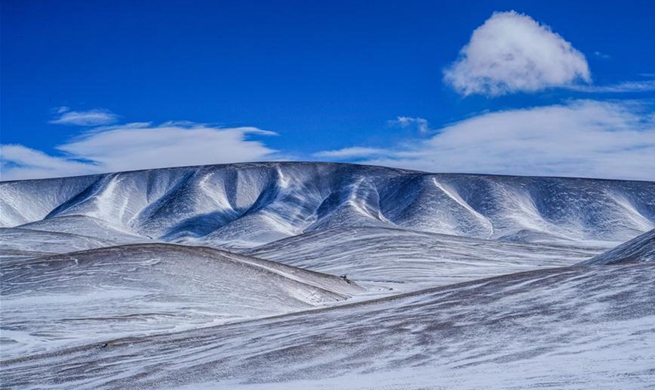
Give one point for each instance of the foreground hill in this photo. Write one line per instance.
(564, 328)
(246, 205)
(64, 299)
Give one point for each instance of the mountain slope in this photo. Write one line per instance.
(57, 300)
(246, 205)
(20, 242)
(407, 260)
(639, 249)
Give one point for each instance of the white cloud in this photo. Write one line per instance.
(137, 146)
(511, 52)
(96, 117)
(354, 152)
(406, 121)
(19, 162)
(578, 139)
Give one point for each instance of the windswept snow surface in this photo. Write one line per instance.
(229, 276)
(407, 260)
(20, 242)
(639, 249)
(61, 299)
(564, 328)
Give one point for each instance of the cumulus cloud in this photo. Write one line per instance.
(512, 52)
(137, 146)
(406, 121)
(583, 138)
(95, 117)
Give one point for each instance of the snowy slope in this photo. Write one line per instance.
(81, 225)
(246, 205)
(32, 200)
(20, 242)
(57, 300)
(639, 249)
(406, 260)
(565, 328)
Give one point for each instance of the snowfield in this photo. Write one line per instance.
(316, 275)
(578, 327)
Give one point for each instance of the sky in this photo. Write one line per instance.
(544, 88)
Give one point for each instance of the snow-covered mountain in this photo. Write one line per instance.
(246, 205)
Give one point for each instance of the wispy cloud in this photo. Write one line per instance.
(137, 146)
(95, 117)
(624, 87)
(602, 55)
(20, 162)
(354, 152)
(580, 138)
(421, 124)
(512, 52)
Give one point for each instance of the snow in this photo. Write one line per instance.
(408, 260)
(146, 288)
(639, 249)
(253, 204)
(227, 276)
(561, 328)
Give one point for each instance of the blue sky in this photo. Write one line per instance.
(96, 86)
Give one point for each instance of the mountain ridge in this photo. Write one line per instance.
(245, 205)
(309, 162)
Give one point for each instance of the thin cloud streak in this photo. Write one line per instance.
(354, 152)
(95, 117)
(624, 87)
